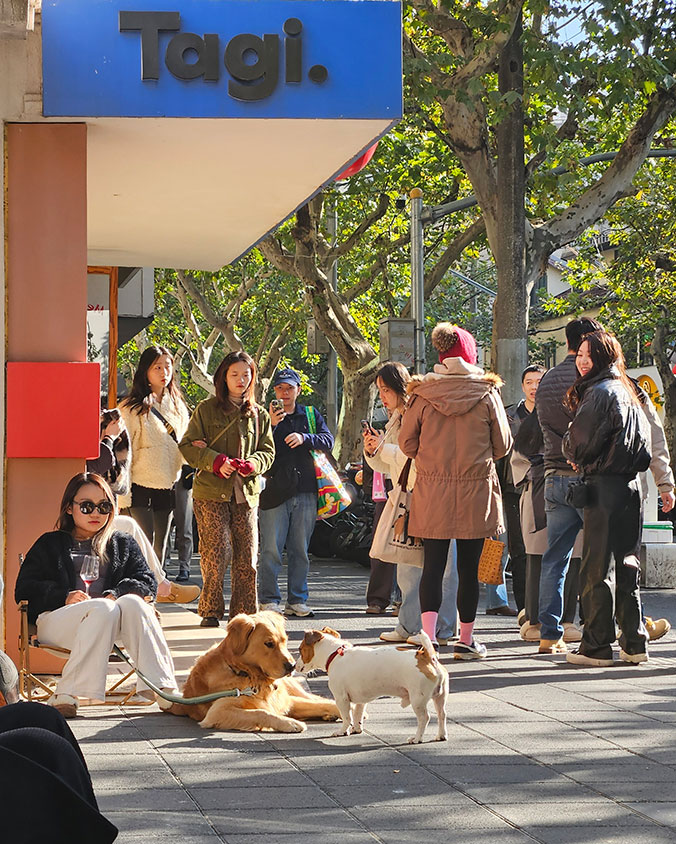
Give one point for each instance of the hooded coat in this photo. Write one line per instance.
(455, 427)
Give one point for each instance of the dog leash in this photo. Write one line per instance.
(189, 701)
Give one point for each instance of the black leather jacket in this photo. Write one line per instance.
(609, 434)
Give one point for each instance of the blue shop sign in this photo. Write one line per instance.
(222, 58)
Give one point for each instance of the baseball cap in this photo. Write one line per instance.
(287, 376)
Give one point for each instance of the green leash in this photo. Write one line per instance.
(189, 701)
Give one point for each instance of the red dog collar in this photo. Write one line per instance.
(339, 652)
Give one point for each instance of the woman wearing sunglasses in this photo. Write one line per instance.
(88, 618)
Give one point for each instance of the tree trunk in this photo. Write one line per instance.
(352, 410)
(511, 306)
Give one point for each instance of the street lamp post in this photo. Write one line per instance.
(417, 280)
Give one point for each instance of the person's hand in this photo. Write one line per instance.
(276, 415)
(668, 501)
(113, 429)
(294, 440)
(371, 442)
(574, 466)
(227, 469)
(76, 596)
(246, 468)
(199, 443)
(110, 597)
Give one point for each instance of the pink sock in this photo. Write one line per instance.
(429, 624)
(466, 628)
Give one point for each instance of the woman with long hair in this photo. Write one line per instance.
(88, 618)
(383, 455)
(229, 441)
(456, 428)
(608, 442)
(156, 418)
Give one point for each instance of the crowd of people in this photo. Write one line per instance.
(557, 475)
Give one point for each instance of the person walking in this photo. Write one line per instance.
(564, 520)
(229, 442)
(288, 511)
(156, 417)
(455, 427)
(608, 443)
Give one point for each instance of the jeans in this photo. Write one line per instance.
(183, 511)
(290, 524)
(408, 578)
(563, 525)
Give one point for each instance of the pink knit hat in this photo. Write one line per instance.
(451, 341)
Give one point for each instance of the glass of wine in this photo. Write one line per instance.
(89, 571)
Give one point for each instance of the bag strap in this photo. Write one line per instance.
(403, 475)
(167, 425)
(223, 430)
(311, 419)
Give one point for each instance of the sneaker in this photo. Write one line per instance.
(374, 609)
(552, 646)
(392, 636)
(530, 632)
(571, 633)
(300, 610)
(577, 658)
(182, 577)
(210, 621)
(473, 651)
(521, 618)
(271, 606)
(656, 629)
(415, 639)
(634, 659)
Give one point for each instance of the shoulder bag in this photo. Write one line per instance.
(392, 542)
(332, 497)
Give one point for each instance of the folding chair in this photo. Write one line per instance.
(32, 687)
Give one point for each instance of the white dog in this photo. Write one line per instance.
(359, 675)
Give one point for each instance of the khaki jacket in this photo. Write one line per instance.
(233, 435)
(456, 428)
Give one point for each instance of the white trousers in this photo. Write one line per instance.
(90, 628)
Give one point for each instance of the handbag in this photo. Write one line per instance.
(281, 485)
(577, 494)
(332, 497)
(391, 541)
(490, 562)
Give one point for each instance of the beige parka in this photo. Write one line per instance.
(455, 427)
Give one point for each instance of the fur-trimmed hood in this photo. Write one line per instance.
(454, 387)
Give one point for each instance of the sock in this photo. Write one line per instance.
(429, 624)
(466, 629)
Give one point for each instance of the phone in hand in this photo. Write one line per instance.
(277, 404)
(366, 427)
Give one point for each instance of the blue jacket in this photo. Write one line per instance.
(300, 456)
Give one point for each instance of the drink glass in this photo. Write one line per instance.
(89, 571)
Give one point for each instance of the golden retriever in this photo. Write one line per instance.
(253, 654)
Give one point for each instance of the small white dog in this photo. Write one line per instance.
(359, 675)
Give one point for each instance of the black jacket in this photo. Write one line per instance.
(516, 414)
(554, 416)
(300, 457)
(609, 434)
(47, 575)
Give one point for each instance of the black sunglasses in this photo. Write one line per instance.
(105, 508)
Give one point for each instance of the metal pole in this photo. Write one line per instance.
(417, 280)
(332, 363)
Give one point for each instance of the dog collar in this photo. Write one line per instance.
(339, 652)
(238, 673)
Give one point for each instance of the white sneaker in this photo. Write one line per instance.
(271, 607)
(392, 636)
(635, 659)
(576, 658)
(301, 610)
(571, 633)
(415, 640)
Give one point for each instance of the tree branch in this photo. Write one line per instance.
(277, 255)
(351, 241)
(377, 267)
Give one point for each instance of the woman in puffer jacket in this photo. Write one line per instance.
(608, 443)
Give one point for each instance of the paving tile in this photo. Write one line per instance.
(131, 797)
(267, 821)
(272, 797)
(393, 816)
(559, 790)
(580, 833)
(528, 815)
(523, 772)
(662, 813)
(407, 793)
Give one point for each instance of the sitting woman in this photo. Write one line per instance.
(114, 608)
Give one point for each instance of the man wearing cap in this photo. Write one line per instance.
(288, 504)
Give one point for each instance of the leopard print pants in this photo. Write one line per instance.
(228, 534)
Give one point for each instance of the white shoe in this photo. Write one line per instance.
(392, 636)
(414, 640)
(271, 607)
(571, 633)
(576, 658)
(635, 659)
(530, 632)
(300, 610)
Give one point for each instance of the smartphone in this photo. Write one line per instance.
(278, 404)
(366, 427)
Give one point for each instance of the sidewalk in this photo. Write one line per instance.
(538, 751)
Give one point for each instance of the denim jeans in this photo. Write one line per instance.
(563, 525)
(408, 578)
(290, 524)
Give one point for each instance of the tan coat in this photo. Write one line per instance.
(455, 427)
